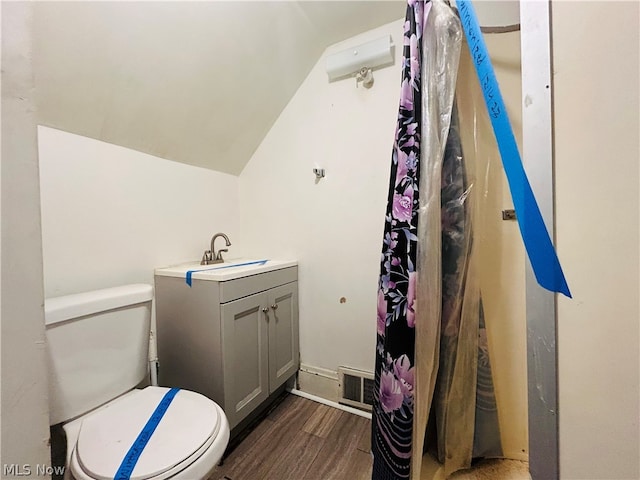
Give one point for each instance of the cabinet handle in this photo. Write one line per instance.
(265, 310)
(274, 306)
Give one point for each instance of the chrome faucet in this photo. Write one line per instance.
(211, 256)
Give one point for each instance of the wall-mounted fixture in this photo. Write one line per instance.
(319, 173)
(365, 75)
(361, 60)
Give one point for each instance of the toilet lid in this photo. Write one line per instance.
(185, 430)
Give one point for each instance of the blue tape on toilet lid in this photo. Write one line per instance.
(188, 426)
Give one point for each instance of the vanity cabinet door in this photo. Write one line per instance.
(245, 355)
(283, 334)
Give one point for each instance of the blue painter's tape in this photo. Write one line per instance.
(132, 456)
(191, 272)
(535, 236)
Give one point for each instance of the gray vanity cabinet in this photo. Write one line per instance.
(259, 347)
(234, 341)
(283, 334)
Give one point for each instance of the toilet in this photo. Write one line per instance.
(98, 345)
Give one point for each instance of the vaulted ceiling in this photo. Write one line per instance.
(195, 82)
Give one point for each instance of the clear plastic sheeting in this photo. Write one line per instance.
(441, 44)
(455, 413)
(484, 174)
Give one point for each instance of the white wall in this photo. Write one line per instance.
(333, 227)
(25, 410)
(596, 64)
(110, 215)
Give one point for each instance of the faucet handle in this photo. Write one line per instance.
(219, 254)
(206, 258)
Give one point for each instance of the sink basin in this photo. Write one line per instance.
(229, 270)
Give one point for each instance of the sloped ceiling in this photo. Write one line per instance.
(195, 82)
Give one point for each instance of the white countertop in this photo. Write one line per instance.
(229, 270)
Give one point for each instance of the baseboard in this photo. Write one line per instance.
(319, 371)
(319, 382)
(339, 406)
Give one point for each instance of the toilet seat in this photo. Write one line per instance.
(186, 431)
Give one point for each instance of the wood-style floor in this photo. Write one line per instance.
(302, 440)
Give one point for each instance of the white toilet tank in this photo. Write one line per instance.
(97, 345)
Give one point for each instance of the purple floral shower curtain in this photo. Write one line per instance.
(392, 419)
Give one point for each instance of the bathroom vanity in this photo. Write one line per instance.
(232, 335)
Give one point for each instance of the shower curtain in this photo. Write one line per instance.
(392, 416)
(432, 374)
